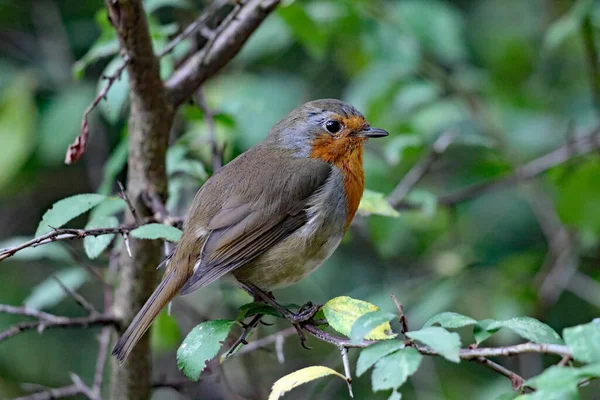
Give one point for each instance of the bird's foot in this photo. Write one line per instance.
(305, 313)
(298, 319)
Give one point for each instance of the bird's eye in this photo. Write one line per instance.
(333, 126)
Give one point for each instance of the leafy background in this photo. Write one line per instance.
(413, 67)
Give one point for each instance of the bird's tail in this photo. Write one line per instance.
(168, 288)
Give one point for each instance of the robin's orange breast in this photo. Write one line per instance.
(345, 153)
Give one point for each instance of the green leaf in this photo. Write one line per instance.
(165, 333)
(95, 245)
(157, 231)
(438, 27)
(375, 352)
(450, 320)
(393, 370)
(342, 312)
(584, 341)
(297, 378)
(526, 327)
(250, 309)
(562, 382)
(50, 251)
(108, 207)
(49, 293)
(201, 345)
(65, 210)
(367, 323)
(447, 344)
(376, 203)
(116, 98)
(17, 123)
(308, 33)
(482, 331)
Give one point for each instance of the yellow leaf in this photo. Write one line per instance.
(297, 378)
(342, 312)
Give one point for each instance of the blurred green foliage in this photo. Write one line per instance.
(511, 78)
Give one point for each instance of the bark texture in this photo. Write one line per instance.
(149, 124)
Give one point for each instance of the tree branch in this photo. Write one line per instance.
(57, 322)
(229, 38)
(582, 145)
(63, 234)
(417, 172)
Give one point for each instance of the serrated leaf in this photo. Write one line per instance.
(447, 344)
(297, 378)
(369, 322)
(450, 320)
(165, 333)
(562, 381)
(95, 245)
(65, 210)
(375, 352)
(375, 203)
(342, 312)
(201, 345)
(250, 309)
(584, 341)
(157, 231)
(49, 293)
(393, 370)
(526, 327)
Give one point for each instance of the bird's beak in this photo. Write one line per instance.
(372, 133)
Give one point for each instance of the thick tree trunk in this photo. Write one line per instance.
(152, 111)
(149, 125)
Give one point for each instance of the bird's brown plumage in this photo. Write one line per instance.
(270, 216)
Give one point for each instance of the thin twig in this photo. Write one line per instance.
(63, 234)
(400, 308)
(77, 148)
(228, 39)
(103, 342)
(79, 299)
(28, 312)
(125, 197)
(515, 379)
(198, 24)
(585, 144)
(245, 333)
(209, 118)
(417, 172)
(267, 340)
(57, 393)
(153, 201)
(347, 371)
(59, 322)
(466, 354)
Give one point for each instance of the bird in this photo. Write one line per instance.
(272, 215)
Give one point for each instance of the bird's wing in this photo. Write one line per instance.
(251, 220)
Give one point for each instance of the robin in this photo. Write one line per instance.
(272, 215)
